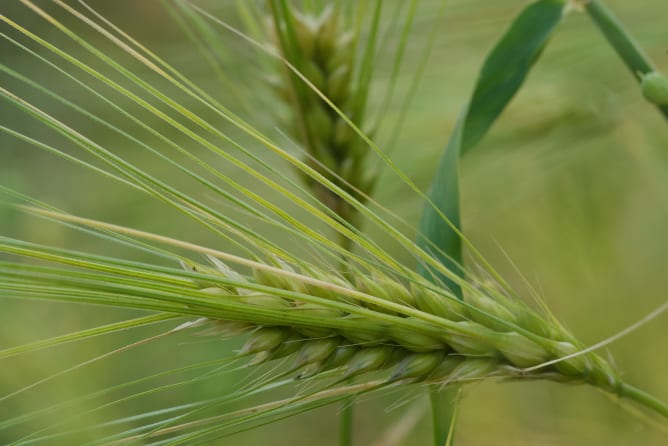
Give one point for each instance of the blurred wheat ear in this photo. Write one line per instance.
(323, 332)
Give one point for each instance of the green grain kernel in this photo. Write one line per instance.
(369, 359)
(264, 339)
(317, 351)
(519, 350)
(417, 365)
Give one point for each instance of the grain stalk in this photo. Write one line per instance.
(325, 324)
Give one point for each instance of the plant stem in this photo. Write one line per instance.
(442, 410)
(622, 42)
(643, 398)
(346, 422)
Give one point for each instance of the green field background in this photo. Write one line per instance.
(567, 195)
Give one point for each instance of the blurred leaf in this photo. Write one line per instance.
(508, 65)
(502, 74)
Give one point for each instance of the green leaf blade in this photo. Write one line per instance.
(503, 73)
(506, 67)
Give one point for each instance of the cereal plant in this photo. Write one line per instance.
(276, 255)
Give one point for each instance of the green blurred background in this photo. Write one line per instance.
(568, 194)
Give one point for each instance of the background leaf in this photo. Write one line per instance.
(502, 74)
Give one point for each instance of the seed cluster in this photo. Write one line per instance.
(479, 337)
